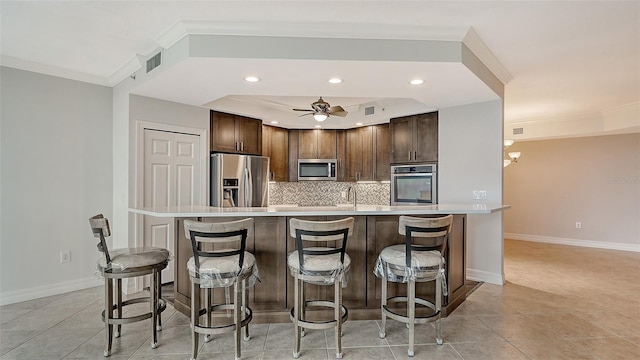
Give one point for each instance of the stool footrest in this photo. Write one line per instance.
(162, 305)
(320, 324)
(404, 318)
(221, 329)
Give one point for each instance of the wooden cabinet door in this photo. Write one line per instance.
(401, 139)
(223, 132)
(355, 294)
(341, 152)
(270, 249)
(249, 135)
(367, 157)
(307, 144)
(279, 154)
(353, 155)
(326, 144)
(382, 152)
(426, 138)
(382, 231)
(275, 145)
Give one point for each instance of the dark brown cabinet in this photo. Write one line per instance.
(317, 144)
(414, 138)
(275, 145)
(235, 134)
(367, 152)
(359, 154)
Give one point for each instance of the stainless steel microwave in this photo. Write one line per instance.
(317, 169)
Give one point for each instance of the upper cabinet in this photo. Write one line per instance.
(414, 139)
(235, 134)
(366, 153)
(275, 145)
(317, 144)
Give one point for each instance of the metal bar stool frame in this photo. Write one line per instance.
(410, 299)
(100, 227)
(302, 276)
(242, 313)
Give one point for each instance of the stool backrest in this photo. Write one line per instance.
(218, 233)
(307, 230)
(434, 233)
(100, 227)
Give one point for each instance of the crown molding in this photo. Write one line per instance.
(129, 68)
(32, 66)
(181, 28)
(482, 52)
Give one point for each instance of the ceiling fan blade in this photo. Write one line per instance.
(302, 110)
(337, 111)
(306, 114)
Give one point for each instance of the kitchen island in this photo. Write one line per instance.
(375, 228)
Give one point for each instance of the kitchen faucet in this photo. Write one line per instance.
(351, 192)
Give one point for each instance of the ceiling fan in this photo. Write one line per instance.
(321, 110)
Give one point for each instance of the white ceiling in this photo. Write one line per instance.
(567, 59)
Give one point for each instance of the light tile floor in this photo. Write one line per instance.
(559, 302)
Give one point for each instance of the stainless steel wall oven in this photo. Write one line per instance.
(414, 184)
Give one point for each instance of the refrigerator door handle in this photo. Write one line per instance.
(248, 188)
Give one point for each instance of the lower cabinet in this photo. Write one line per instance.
(270, 243)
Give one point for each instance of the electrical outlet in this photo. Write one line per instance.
(578, 225)
(479, 195)
(65, 256)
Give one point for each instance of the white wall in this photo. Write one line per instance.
(470, 158)
(56, 152)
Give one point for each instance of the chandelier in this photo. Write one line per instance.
(513, 155)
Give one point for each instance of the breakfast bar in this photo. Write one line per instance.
(375, 228)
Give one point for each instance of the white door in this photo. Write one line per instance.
(171, 178)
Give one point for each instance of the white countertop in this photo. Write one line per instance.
(292, 210)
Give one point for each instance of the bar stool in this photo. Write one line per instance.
(320, 266)
(223, 267)
(410, 263)
(119, 264)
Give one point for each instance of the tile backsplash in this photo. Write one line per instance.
(325, 193)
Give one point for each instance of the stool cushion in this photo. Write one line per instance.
(425, 265)
(130, 259)
(223, 271)
(319, 269)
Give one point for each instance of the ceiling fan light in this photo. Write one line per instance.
(508, 143)
(514, 155)
(416, 82)
(320, 116)
(335, 80)
(506, 163)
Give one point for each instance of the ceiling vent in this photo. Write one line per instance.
(369, 110)
(154, 62)
(518, 131)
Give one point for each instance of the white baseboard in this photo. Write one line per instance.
(574, 242)
(479, 275)
(11, 297)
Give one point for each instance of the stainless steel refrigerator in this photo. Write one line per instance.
(239, 180)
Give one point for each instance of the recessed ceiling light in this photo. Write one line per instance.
(416, 81)
(252, 79)
(318, 126)
(335, 80)
(274, 122)
(359, 123)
